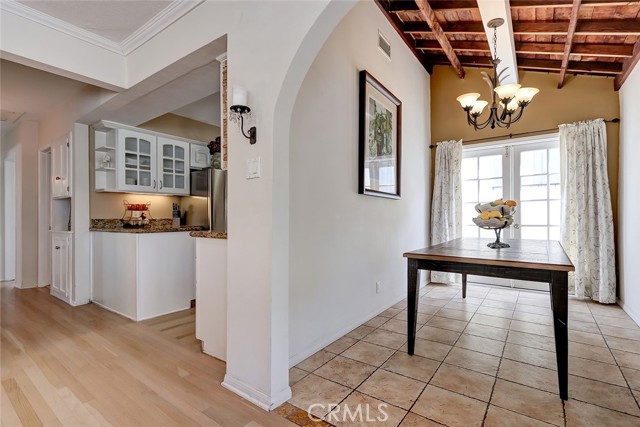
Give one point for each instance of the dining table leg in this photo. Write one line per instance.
(413, 295)
(464, 285)
(559, 305)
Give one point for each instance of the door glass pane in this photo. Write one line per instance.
(468, 213)
(145, 146)
(131, 160)
(470, 231)
(167, 181)
(167, 150)
(533, 187)
(179, 166)
(470, 191)
(131, 144)
(533, 213)
(469, 168)
(554, 186)
(145, 162)
(554, 233)
(536, 233)
(554, 212)
(179, 153)
(131, 177)
(145, 178)
(554, 160)
(489, 234)
(490, 189)
(180, 181)
(167, 165)
(490, 166)
(533, 162)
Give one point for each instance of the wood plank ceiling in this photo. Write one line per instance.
(595, 37)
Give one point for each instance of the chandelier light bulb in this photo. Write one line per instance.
(526, 94)
(512, 106)
(478, 106)
(507, 91)
(468, 99)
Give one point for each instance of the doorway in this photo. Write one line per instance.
(526, 170)
(44, 218)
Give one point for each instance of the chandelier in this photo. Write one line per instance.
(509, 97)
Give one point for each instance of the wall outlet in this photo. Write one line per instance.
(378, 287)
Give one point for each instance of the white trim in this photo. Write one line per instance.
(170, 14)
(547, 137)
(254, 396)
(634, 316)
(222, 57)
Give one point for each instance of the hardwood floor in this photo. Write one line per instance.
(84, 366)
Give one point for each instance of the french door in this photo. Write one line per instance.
(527, 171)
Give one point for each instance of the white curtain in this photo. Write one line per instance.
(587, 220)
(446, 206)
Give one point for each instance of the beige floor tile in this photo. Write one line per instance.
(435, 302)
(390, 312)
(623, 344)
(596, 371)
(360, 332)
(313, 390)
(497, 312)
(533, 318)
(377, 321)
(385, 338)
(538, 302)
(392, 388)
(498, 417)
(371, 354)
(340, 345)
(511, 297)
(581, 414)
(629, 360)
(295, 375)
(416, 367)
(312, 363)
(591, 352)
(532, 328)
(473, 360)
(485, 331)
(532, 356)
(632, 376)
(613, 310)
(462, 305)
(402, 305)
(464, 381)
(440, 335)
(496, 322)
(578, 325)
(499, 304)
(581, 317)
(620, 332)
(455, 314)
(430, 349)
(345, 371)
(481, 344)
(415, 420)
(534, 309)
(586, 338)
(530, 340)
(636, 394)
(373, 412)
(428, 309)
(602, 394)
(529, 375)
(444, 323)
(528, 401)
(393, 325)
(449, 408)
(421, 320)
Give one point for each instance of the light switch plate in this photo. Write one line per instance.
(253, 168)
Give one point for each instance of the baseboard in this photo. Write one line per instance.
(635, 316)
(113, 311)
(294, 360)
(254, 396)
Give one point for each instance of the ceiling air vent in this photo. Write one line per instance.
(384, 45)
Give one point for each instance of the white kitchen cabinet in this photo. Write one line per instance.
(211, 296)
(142, 275)
(136, 161)
(60, 167)
(173, 166)
(61, 267)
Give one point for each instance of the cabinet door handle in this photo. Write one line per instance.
(57, 247)
(154, 184)
(58, 178)
(160, 184)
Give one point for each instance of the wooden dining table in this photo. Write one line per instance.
(534, 260)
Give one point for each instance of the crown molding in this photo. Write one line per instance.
(176, 10)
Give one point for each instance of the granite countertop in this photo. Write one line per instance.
(209, 234)
(155, 226)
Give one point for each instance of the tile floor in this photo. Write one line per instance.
(485, 361)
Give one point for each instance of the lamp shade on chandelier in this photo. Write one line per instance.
(508, 101)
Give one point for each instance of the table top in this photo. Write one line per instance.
(523, 253)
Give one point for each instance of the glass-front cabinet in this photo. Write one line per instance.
(173, 168)
(137, 170)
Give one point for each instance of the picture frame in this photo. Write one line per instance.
(380, 139)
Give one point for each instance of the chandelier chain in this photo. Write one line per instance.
(495, 43)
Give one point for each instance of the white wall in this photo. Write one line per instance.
(629, 197)
(343, 242)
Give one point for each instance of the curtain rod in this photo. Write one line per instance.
(511, 135)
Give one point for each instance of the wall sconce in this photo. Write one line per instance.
(239, 110)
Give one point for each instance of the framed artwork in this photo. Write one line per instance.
(380, 139)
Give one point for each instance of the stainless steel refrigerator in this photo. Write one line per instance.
(212, 184)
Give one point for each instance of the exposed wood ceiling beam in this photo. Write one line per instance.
(590, 49)
(627, 67)
(573, 22)
(429, 15)
(597, 28)
(397, 24)
(445, 5)
(605, 68)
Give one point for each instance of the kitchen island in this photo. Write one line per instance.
(141, 273)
